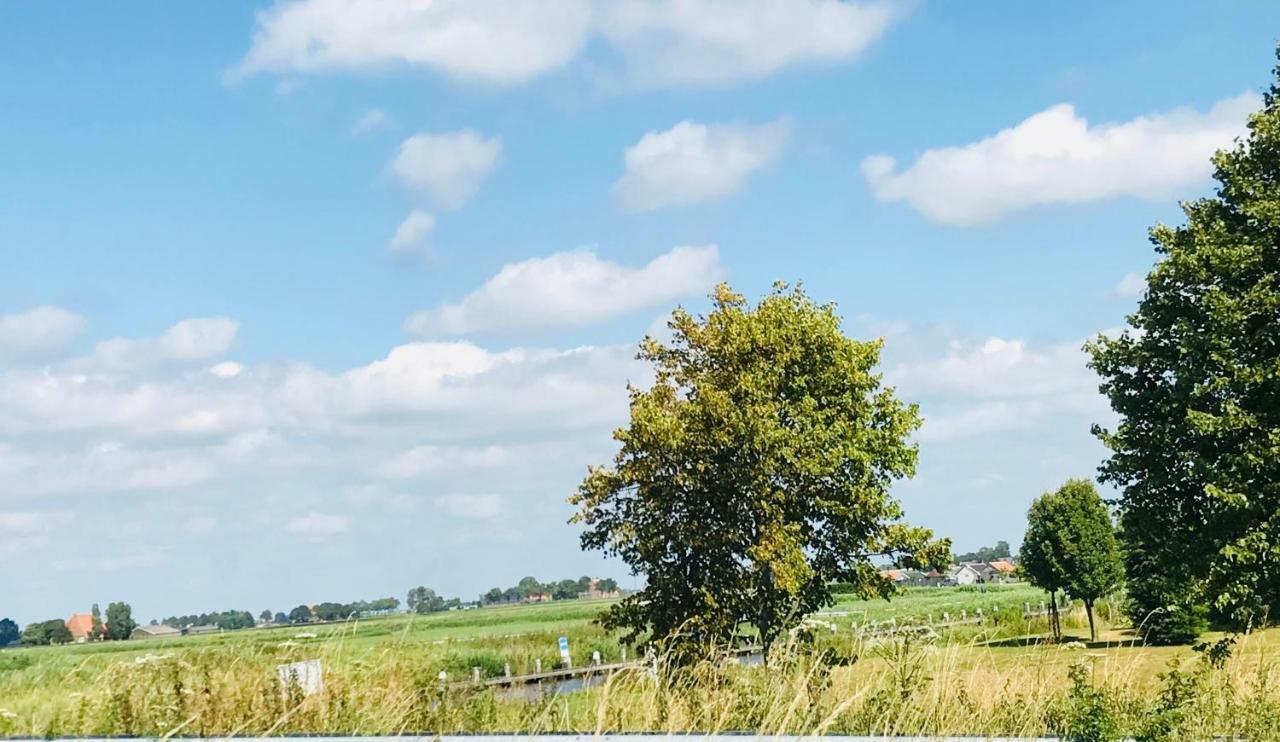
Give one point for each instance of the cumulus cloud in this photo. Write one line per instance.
(24, 531)
(421, 460)
(200, 524)
(412, 232)
(497, 42)
(701, 42)
(38, 333)
(479, 507)
(977, 388)
(571, 288)
(1131, 286)
(487, 41)
(693, 163)
(317, 526)
(189, 340)
(374, 119)
(1056, 156)
(447, 168)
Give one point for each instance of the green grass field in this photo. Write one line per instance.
(381, 677)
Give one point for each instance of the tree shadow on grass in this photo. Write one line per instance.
(1037, 641)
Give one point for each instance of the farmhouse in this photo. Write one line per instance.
(159, 631)
(81, 627)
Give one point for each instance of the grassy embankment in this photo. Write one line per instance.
(381, 677)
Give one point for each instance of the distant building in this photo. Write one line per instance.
(593, 591)
(195, 630)
(537, 598)
(158, 631)
(966, 574)
(904, 577)
(981, 573)
(81, 627)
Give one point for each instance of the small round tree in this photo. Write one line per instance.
(1071, 545)
(754, 473)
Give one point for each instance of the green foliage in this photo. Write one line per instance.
(986, 553)
(1195, 382)
(53, 631)
(9, 632)
(424, 600)
(529, 587)
(754, 472)
(225, 620)
(96, 623)
(300, 614)
(1087, 714)
(120, 623)
(1071, 545)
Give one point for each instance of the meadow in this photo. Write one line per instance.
(382, 677)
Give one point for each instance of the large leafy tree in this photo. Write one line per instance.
(53, 631)
(1196, 383)
(9, 632)
(754, 472)
(1071, 545)
(120, 623)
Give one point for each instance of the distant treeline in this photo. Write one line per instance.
(531, 588)
(327, 611)
(987, 553)
(225, 620)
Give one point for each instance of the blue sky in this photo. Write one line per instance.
(322, 300)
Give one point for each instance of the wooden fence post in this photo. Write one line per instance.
(537, 665)
(475, 674)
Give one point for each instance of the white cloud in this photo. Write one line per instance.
(667, 42)
(316, 526)
(973, 389)
(200, 524)
(447, 168)
(38, 333)
(699, 42)
(427, 459)
(479, 507)
(411, 232)
(111, 562)
(24, 531)
(488, 41)
(189, 340)
(571, 288)
(1132, 286)
(1055, 156)
(693, 163)
(226, 369)
(374, 119)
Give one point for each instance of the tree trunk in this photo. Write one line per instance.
(1054, 625)
(1093, 631)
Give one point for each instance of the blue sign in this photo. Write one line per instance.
(564, 644)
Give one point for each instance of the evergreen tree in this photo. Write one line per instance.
(1196, 385)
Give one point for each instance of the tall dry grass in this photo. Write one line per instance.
(961, 684)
